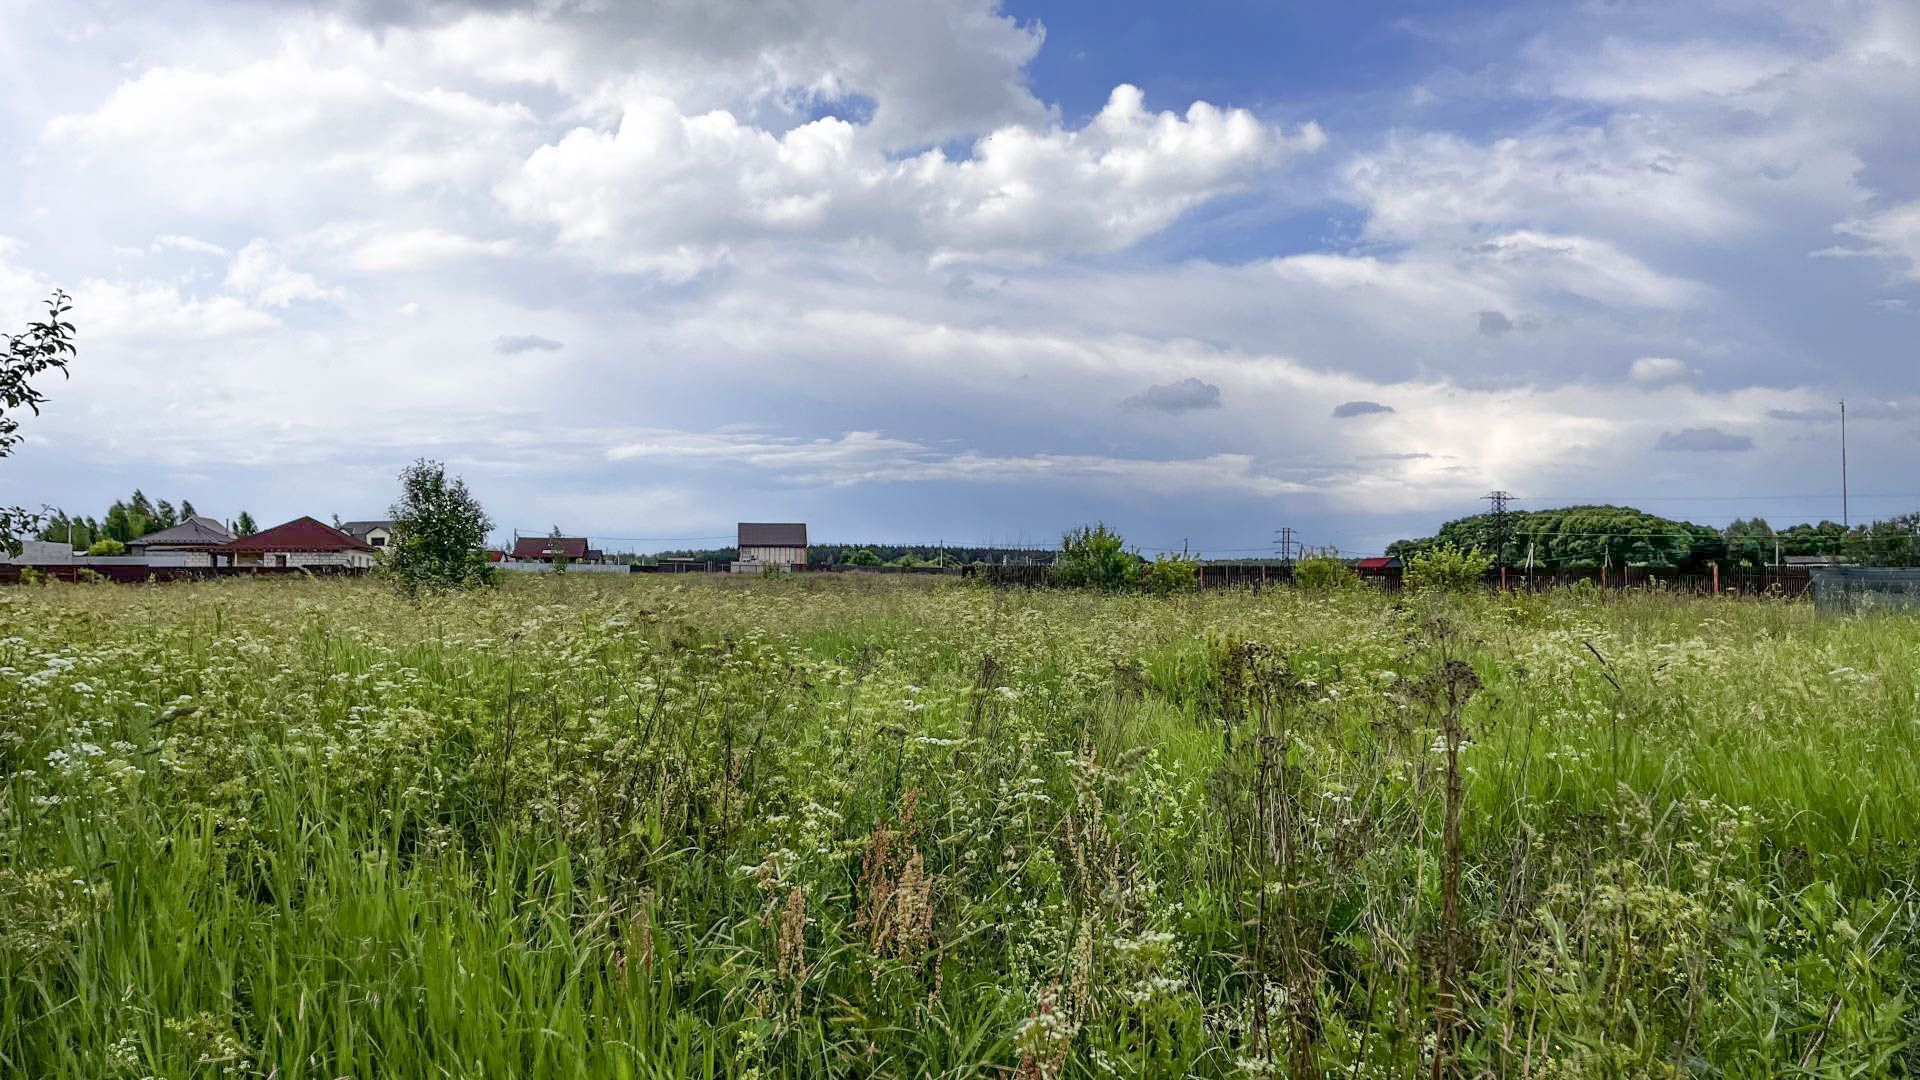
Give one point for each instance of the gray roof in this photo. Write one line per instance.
(195, 531)
(360, 529)
(773, 534)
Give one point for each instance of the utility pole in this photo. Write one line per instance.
(1845, 521)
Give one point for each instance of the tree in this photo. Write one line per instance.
(46, 346)
(558, 550)
(186, 509)
(439, 532)
(245, 526)
(107, 545)
(1323, 571)
(863, 557)
(165, 517)
(1447, 568)
(1094, 557)
(1581, 537)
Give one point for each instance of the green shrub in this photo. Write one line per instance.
(1446, 568)
(1094, 557)
(1324, 573)
(1171, 574)
(107, 545)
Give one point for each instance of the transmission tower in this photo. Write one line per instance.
(1288, 543)
(1497, 504)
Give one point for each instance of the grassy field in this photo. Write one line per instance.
(680, 827)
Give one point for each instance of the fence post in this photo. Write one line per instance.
(1716, 578)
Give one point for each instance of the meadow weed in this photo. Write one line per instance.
(590, 827)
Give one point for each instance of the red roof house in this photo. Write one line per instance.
(300, 542)
(1376, 565)
(549, 548)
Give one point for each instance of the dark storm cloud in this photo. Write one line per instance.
(1349, 409)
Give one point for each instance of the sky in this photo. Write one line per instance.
(967, 271)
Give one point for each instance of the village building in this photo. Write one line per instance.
(302, 542)
(553, 549)
(40, 553)
(763, 546)
(194, 542)
(374, 534)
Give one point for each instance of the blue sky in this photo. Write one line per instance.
(966, 271)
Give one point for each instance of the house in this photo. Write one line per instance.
(374, 534)
(300, 542)
(40, 553)
(193, 542)
(553, 548)
(771, 545)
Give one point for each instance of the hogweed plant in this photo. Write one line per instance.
(657, 827)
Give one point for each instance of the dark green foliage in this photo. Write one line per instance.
(1588, 537)
(58, 528)
(245, 526)
(1094, 557)
(439, 532)
(1578, 537)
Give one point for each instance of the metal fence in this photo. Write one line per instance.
(1866, 588)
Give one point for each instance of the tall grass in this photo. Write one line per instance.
(589, 828)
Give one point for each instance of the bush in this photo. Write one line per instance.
(1324, 573)
(863, 557)
(107, 545)
(1446, 568)
(1170, 574)
(1094, 557)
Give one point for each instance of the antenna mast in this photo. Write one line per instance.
(1846, 521)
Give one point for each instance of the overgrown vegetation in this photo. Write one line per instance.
(1170, 574)
(1447, 569)
(1324, 572)
(681, 826)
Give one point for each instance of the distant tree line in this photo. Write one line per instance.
(897, 555)
(128, 520)
(1587, 537)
